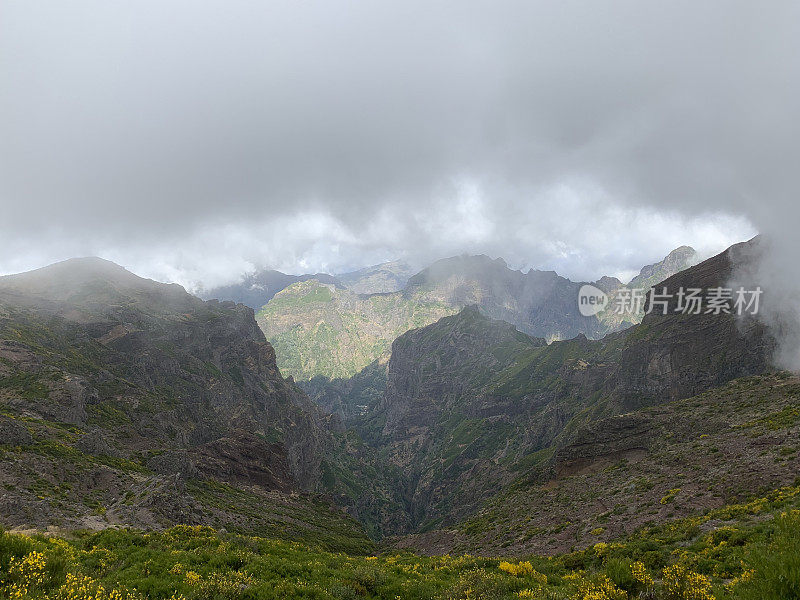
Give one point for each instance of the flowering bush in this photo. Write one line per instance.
(683, 584)
(670, 495)
(26, 573)
(601, 589)
(640, 574)
(521, 568)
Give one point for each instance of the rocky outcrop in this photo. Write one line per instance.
(676, 261)
(471, 403)
(604, 443)
(129, 378)
(677, 355)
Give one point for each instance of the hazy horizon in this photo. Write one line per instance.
(193, 142)
(624, 277)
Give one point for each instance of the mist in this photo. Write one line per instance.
(197, 141)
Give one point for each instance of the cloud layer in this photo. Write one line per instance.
(193, 140)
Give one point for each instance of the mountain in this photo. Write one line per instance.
(659, 458)
(131, 402)
(639, 471)
(614, 319)
(471, 404)
(378, 279)
(679, 259)
(539, 303)
(257, 289)
(321, 330)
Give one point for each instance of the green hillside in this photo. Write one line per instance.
(740, 551)
(317, 329)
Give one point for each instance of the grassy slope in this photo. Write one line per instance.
(698, 454)
(319, 330)
(748, 550)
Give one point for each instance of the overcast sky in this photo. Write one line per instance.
(192, 141)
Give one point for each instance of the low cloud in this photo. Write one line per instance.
(193, 141)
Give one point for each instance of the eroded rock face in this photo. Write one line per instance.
(246, 459)
(605, 442)
(431, 419)
(13, 433)
(678, 355)
(120, 371)
(470, 403)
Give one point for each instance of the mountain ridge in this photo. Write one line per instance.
(308, 320)
(139, 404)
(464, 416)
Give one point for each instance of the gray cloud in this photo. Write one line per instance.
(193, 140)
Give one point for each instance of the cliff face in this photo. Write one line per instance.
(436, 369)
(678, 355)
(132, 381)
(436, 425)
(472, 404)
(323, 330)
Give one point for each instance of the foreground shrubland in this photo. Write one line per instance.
(749, 551)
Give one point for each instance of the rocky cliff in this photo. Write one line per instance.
(472, 404)
(143, 404)
(322, 330)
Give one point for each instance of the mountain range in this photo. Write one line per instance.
(334, 326)
(471, 404)
(135, 402)
(131, 403)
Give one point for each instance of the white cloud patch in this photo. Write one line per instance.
(194, 141)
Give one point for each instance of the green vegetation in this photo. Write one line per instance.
(27, 385)
(318, 330)
(747, 551)
(303, 517)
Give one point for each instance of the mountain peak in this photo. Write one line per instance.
(93, 284)
(73, 273)
(678, 259)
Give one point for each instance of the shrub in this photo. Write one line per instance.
(521, 568)
(682, 584)
(640, 574)
(479, 584)
(776, 565)
(670, 495)
(600, 589)
(619, 571)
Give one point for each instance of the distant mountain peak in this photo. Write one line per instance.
(382, 278)
(69, 275)
(678, 259)
(79, 266)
